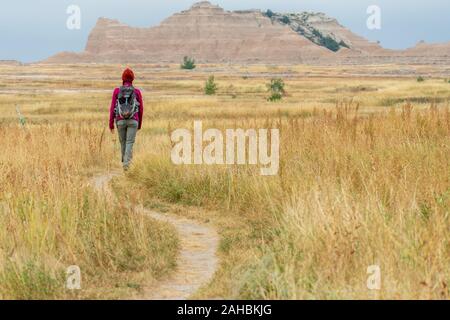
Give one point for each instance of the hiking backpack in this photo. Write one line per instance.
(127, 105)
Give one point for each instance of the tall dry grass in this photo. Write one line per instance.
(51, 219)
(353, 191)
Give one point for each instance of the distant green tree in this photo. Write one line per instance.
(269, 13)
(420, 79)
(285, 20)
(210, 86)
(276, 89)
(317, 33)
(275, 97)
(331, 44)
(328, 42)
(188, 63)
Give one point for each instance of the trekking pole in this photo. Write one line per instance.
(22, 120)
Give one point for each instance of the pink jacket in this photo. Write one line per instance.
(138, 116)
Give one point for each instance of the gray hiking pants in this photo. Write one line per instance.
(127, 130)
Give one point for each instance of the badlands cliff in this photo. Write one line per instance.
(210, 34)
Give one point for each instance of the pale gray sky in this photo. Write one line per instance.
(34, 30)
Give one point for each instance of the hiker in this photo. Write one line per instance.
(127, 110)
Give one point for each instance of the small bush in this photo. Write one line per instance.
(210, 86)
(420, 79)
(269, 13)
(276, 88)
(188, 63)
(285, 20)
(275, 97)
(328, 42)
(331, 44)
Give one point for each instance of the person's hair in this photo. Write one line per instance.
(128, 75)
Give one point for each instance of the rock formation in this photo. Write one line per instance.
(210, 34)
(327, 32)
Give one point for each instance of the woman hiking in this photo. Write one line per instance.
(126, 111)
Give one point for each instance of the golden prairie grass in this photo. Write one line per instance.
(352, 192)
(355, 188)
(51, 219)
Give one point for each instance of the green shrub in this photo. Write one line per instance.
(275, 97)
(420, 79)
(328, 42)
(188, 63)
(269, 13)
(210, 86)
(331, 44)
(276, 89)
(285, 20)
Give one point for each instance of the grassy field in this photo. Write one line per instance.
(364, 180)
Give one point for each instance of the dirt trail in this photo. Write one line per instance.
(197, 260)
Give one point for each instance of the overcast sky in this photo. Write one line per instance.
(33, 30)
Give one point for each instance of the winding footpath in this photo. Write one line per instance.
(197, 261)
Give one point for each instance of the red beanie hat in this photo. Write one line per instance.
(128, 75)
